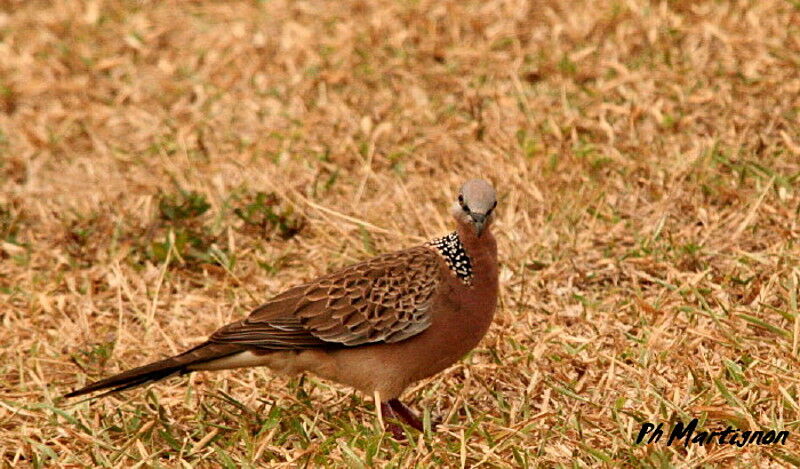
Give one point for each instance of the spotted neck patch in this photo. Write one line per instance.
(455, 256)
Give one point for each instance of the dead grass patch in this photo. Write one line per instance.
(647, 156)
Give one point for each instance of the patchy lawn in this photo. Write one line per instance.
(165, 166)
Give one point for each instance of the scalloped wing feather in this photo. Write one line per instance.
(384, 299)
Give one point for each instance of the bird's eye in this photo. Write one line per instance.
(461, 202)
(489, 212)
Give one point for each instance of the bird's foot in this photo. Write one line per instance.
(407, 415)
(394, 410)
(390, 422)
(396, 430)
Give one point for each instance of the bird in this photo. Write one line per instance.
(377, 326)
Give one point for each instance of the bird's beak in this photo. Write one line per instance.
(479, 220)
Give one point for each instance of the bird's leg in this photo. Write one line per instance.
(390, 421)
(407, 415)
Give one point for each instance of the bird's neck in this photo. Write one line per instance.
(480, 249)
(474, 243)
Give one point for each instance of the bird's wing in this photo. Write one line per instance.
(385, 299)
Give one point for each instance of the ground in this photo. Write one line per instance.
(166, 166)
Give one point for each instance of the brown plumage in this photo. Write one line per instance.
(377, 326)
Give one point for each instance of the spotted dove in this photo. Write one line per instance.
(377, 326)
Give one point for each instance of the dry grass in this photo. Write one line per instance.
(647, 155)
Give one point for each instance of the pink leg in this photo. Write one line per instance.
(390, 421)
(407, 415)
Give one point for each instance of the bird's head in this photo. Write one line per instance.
(475, 204)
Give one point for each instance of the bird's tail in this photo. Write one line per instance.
(179, 364)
